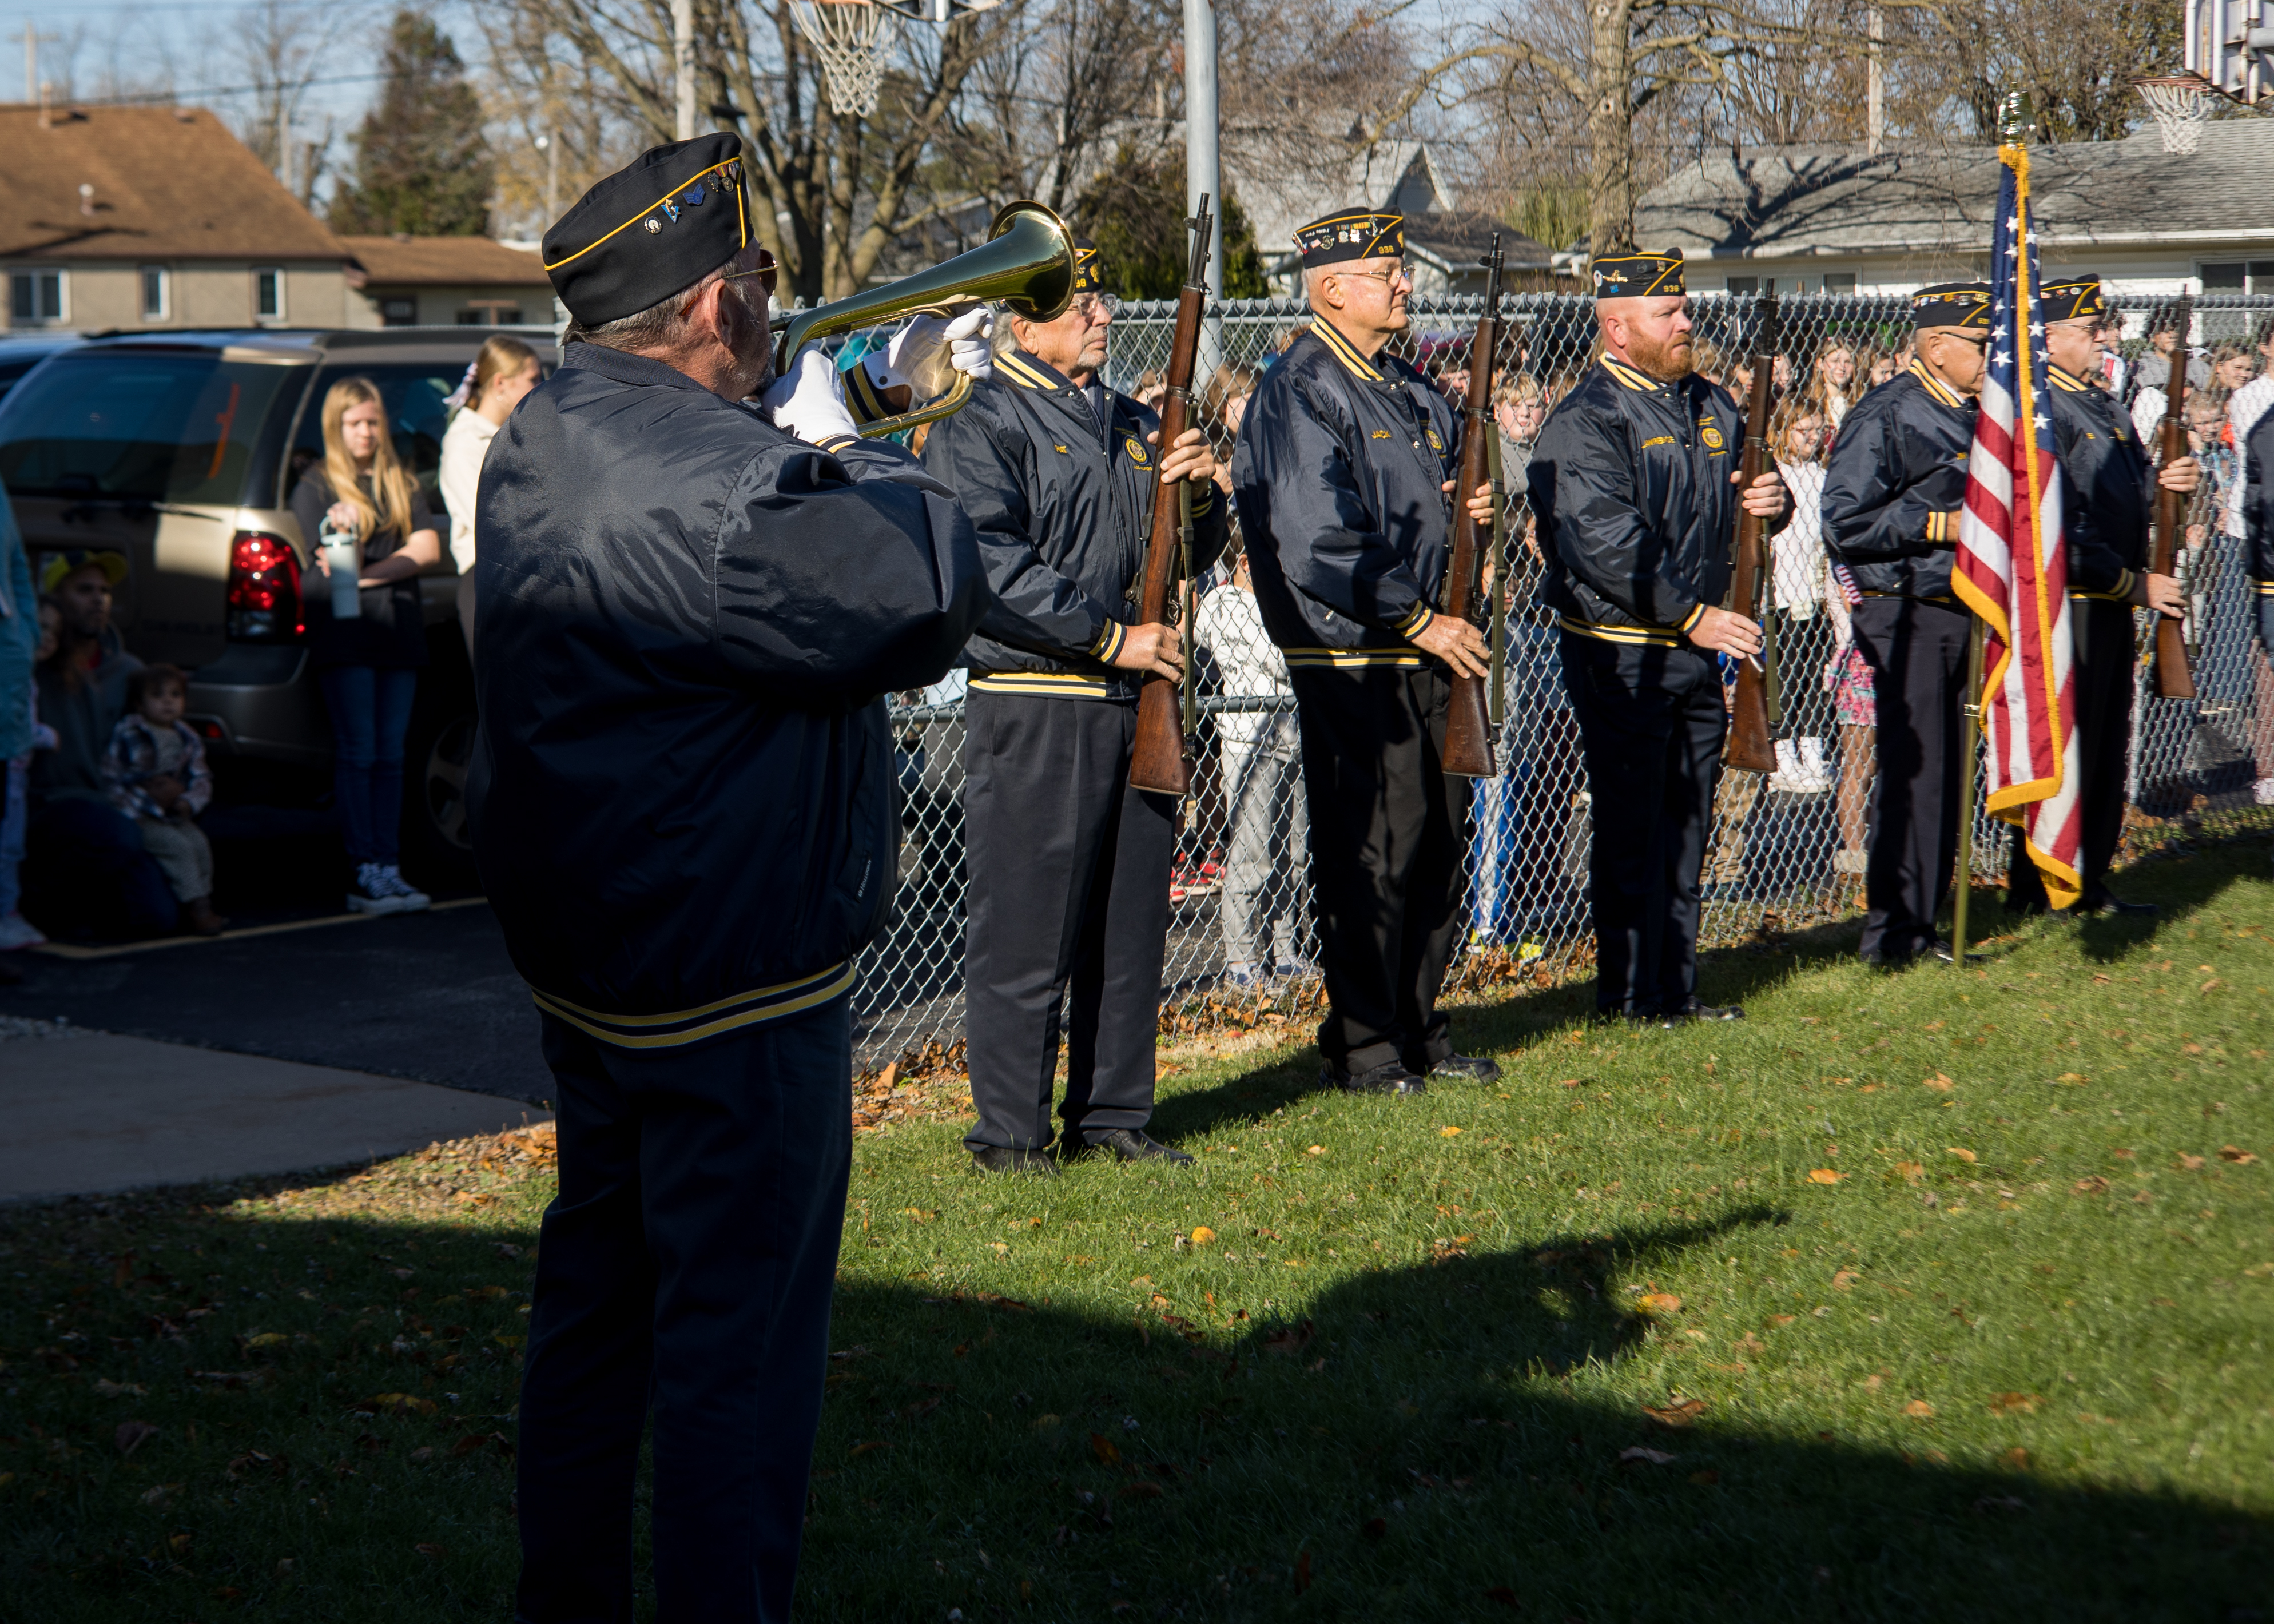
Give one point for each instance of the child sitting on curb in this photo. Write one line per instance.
(158, 777)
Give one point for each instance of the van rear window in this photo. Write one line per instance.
(136, 427)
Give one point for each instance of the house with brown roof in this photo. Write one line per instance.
(156, 217)
(448, 281)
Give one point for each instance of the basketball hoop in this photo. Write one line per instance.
(852, 38)
(2181, 105)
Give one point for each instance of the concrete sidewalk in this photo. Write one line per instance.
(87, 1115)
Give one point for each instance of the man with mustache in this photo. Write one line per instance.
(683, 811)
(1635, 488)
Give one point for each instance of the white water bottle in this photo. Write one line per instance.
(343, 558)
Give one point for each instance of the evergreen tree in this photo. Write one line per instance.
(1134, 212)
(422, 163)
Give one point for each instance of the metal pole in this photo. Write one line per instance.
(683, 51)
(1970, 736)
(1202, 176)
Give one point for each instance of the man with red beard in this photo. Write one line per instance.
(1634, 484)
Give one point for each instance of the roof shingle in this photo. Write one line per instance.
(443, 261)
(169, 182)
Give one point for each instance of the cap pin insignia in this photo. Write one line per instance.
(653, 224)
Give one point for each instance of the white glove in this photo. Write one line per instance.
(912, 360)
(809, 399)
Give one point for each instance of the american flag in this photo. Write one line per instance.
(2013, 561)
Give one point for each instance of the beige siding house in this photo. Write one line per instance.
(155, 217)
(448, 281)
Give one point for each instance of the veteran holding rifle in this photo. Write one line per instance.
(2108, 497)
(1067, 862)
(1635, 486)
(1343, 474)
(682, 811)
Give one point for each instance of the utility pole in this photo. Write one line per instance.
(682, 50)
(32, 38)
(1202, 173)
(549, 144)
(1875, 111)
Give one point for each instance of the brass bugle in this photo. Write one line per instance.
(1026, 263)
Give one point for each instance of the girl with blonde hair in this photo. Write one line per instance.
(367, 662)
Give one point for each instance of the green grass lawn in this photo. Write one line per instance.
(1937, 1294)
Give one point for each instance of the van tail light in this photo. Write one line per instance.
(264, 588)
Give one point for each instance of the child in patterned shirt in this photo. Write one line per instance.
(158, 777)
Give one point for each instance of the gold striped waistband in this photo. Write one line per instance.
(1646, 636)
(682, 1027)
(1348, 660)
(1041, 684)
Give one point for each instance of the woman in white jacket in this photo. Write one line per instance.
(506, 370)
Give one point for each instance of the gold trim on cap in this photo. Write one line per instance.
(741, 216)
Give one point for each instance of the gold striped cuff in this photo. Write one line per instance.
(2264, 589)
(1108, 642)
(1040, 684)
(683, 1026)
(1348, 660)
(1415, 621)
(860, 394)
(1651, 636)
(1688, 621)
(1942, 527)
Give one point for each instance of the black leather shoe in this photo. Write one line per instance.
(1003, 1159)
(1132, 1144)
(2106, 904)
(1467, 1068)
(1695, 1011)
(1390, 1078)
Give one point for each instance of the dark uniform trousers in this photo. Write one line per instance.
(1386, 827)
(1068, 885)
(1917, 651)
(1650, 722)
(684, 1273)
(2104, 651)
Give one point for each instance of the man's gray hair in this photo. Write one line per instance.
(661, 325)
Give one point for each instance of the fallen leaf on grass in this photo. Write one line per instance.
(1637, 1455)
(1705, 1479)
(2070, 1078)
(1940, 1083)
(1102, 1446)
(2017, 1457)
(1677, 1415)
(132, 1435)
(1911, 1172)
(104, 1388)
(1203, 1234)
(1844, 1281)
(1780, 1319)
(1376, 1527)
(1963, 1154)
(160, 1495)
(920, 1214)
(1140, 1491)
(2236, 1155)
(266, 1339)
(2093, 1185)
(1448, 1133)
(1825, 1175)
(427, 1548)
(2015, 1403)
(1315, 1150)
(874, 1443)
(1290, 1339)
(1659, 1302)
(2259, 1271)
(1918, 1410)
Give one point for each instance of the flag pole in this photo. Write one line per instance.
(1970, 740)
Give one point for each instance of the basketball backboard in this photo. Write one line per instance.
(2231, 45)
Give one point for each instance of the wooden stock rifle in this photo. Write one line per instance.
(1751, 744)
(1468, 731)
(1158, 761)
(2175, 679)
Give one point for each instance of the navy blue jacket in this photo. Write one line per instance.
(2108, 487)
(1339, 476)
(1631, 486)
(1894, 484)
(1063, 504)
(681, 792)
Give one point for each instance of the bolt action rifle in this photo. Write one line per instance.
(1751, 743)
(1160, 760)
(2176, 678)
(1468, 732)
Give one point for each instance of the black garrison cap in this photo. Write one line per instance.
(1640, 274)
(1086, 277)
(1952, 304)
(1352, 234)
(654, 228)
(2072, 299)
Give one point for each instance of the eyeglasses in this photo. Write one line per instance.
(765, 270)
(1090, 306)
(1981, 342)
(1388, 276)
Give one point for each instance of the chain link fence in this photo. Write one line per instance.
(1787, 848)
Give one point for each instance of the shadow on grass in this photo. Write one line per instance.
(1423, 1441)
